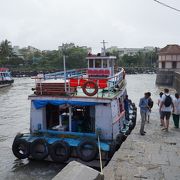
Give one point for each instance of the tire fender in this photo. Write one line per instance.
(39, 149)
(21, 148)
(94, 150)
(60, 146)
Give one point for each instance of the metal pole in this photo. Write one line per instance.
(70, 118)
(64, 62)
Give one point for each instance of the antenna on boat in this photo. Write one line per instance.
(64, 63)
(104, 47)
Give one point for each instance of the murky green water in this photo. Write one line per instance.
(14, 117)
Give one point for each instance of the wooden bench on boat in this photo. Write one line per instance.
(53, 89)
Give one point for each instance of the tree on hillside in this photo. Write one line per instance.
(6, 49)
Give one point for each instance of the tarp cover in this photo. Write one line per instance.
(42, 103)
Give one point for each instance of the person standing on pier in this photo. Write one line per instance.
(166, 107)
(144, 108)
(159, 103)
(150, 104)
(176, 114)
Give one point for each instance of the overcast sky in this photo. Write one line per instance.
(46, 24)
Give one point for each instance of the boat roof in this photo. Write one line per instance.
(100, 57)
(4, 69)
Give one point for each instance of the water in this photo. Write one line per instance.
(14, 117)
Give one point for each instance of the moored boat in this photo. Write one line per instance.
(5, 77)
(74, 113)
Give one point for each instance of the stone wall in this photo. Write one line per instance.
(165, 78)
(176, 82)
(168, 78)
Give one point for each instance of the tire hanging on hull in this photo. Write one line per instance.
(60, 151)
(21, 148)
(90, 146)
(39, 149)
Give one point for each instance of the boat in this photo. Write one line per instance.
(78, 114)
(5, 77)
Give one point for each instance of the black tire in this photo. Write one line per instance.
(39, 149)
(122, 137)
(93, 150)
(20, 148)
(128, 132)
(132, 126)
(18, 135)
(113, 148)
(119, 139)
(60, 151)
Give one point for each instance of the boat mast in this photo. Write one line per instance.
(104, 47)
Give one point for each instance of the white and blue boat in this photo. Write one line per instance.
(78, 114)
(5, 77)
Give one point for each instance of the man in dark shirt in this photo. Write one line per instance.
(144, 108)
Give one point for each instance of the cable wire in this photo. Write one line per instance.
(167, 5)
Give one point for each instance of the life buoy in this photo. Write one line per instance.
(39, 149)
(60, 151)
(90, 84)
(87, 150)
(20, 148)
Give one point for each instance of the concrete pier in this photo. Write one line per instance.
(155, 156)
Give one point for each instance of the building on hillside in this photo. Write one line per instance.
(16, 52)
(130, 51)
(169, 57)
(169, 64)
(72, 45)
(33, 49)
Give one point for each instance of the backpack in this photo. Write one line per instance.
(168, 101)
(150, 103)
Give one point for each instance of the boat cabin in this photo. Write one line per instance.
(101, 66)
(5, 74)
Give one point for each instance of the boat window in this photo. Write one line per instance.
(91, 63)
(104, 63)
(98, 63)
(110, 63)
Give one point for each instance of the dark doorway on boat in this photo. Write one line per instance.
(83, 119)
(52, 116)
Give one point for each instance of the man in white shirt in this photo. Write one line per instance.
(166, 107)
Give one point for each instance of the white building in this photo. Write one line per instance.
(16, 52)
(169, 58)
(130, 51)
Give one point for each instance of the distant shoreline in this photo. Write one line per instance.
(128, 70)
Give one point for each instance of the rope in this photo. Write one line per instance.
(100, 158)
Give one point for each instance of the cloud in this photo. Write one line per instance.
(46, 24)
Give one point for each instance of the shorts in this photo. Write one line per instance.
(165, 114)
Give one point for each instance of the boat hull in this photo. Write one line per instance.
(6, 83)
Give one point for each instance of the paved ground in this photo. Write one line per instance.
(155, 156)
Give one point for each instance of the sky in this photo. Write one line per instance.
(46, 24)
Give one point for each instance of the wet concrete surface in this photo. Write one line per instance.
(155, 156)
